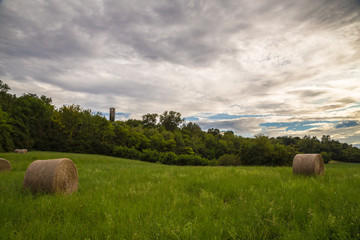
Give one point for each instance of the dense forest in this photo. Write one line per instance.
(32, 122)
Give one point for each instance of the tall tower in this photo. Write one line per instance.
(112, 114)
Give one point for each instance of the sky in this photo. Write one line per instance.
(275, 67)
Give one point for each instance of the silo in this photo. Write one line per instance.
(112, 114)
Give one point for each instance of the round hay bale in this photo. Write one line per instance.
(51, 176)
(4, 165)
(23, 151)
(308, 164)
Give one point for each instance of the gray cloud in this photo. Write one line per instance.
(347, 100)
(296, 58)
(347, 124)
(246, 127)
(308, 93)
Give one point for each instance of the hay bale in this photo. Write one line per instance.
(23, 151)
(308, 164)
(51, 176)
(4, 165)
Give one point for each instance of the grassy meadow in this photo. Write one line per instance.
(127, 199)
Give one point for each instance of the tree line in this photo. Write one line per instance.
(32, 122)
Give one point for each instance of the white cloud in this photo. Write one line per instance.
(290, 61)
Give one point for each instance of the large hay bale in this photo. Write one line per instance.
(4, 165)
(308, 164)
(20, 151)
(51, 176)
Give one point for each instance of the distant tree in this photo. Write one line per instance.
(214, 131)
(150, 120)
(261, 151)
(35, 114)
(171, 120)
(229, 134)
(7, 101)
(191, 127)
(326, 156)
(309, 144)
(68, 121)
(134, 122)
(6, 127)
(214, 147)
(4, 88)
(6, 142)
(288, 140)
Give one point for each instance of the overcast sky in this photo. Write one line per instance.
(272, 66)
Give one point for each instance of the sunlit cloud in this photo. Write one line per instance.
(281, 68)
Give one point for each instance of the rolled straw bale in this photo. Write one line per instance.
(4, 165)
(308, 164)
(51, 176)
(20, 151)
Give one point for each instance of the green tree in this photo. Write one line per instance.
(6, 142)
(214, 131)
(35, 115)
(68, 120)
(150, 120)
(4, 88)
(171, 120)
(309, 144)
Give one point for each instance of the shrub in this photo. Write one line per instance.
(186, 159)
(125, 152)
(169, 158)
(326, 156)
(149, 155)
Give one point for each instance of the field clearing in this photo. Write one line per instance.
(127, 199)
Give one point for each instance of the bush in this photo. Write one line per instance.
(326, 156)
(125, 152)
(169, 158)
(262, 151)
(193, 160)
(150, 156)
(229, 160)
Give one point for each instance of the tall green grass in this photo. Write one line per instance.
(126, 199)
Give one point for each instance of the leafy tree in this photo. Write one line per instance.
(35, 115)
(326, 156)
(214, 131)
(6, 142)
(192, 129)
(171, 120)
(69, 121)
(309, 144)
(4, 88)
(133, 122)
(261, 151)
(150, 120)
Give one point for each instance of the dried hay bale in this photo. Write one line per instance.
(23, 151)
(308, 164)
(51, 176)
(4, 165)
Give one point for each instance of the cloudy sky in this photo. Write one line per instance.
(271, 66)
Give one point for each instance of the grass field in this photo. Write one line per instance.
(126, 199)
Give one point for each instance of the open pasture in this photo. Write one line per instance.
(127, 199)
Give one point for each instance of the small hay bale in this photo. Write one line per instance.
(4, 165)
(23, 151)
(51, 176)
(308, 164)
